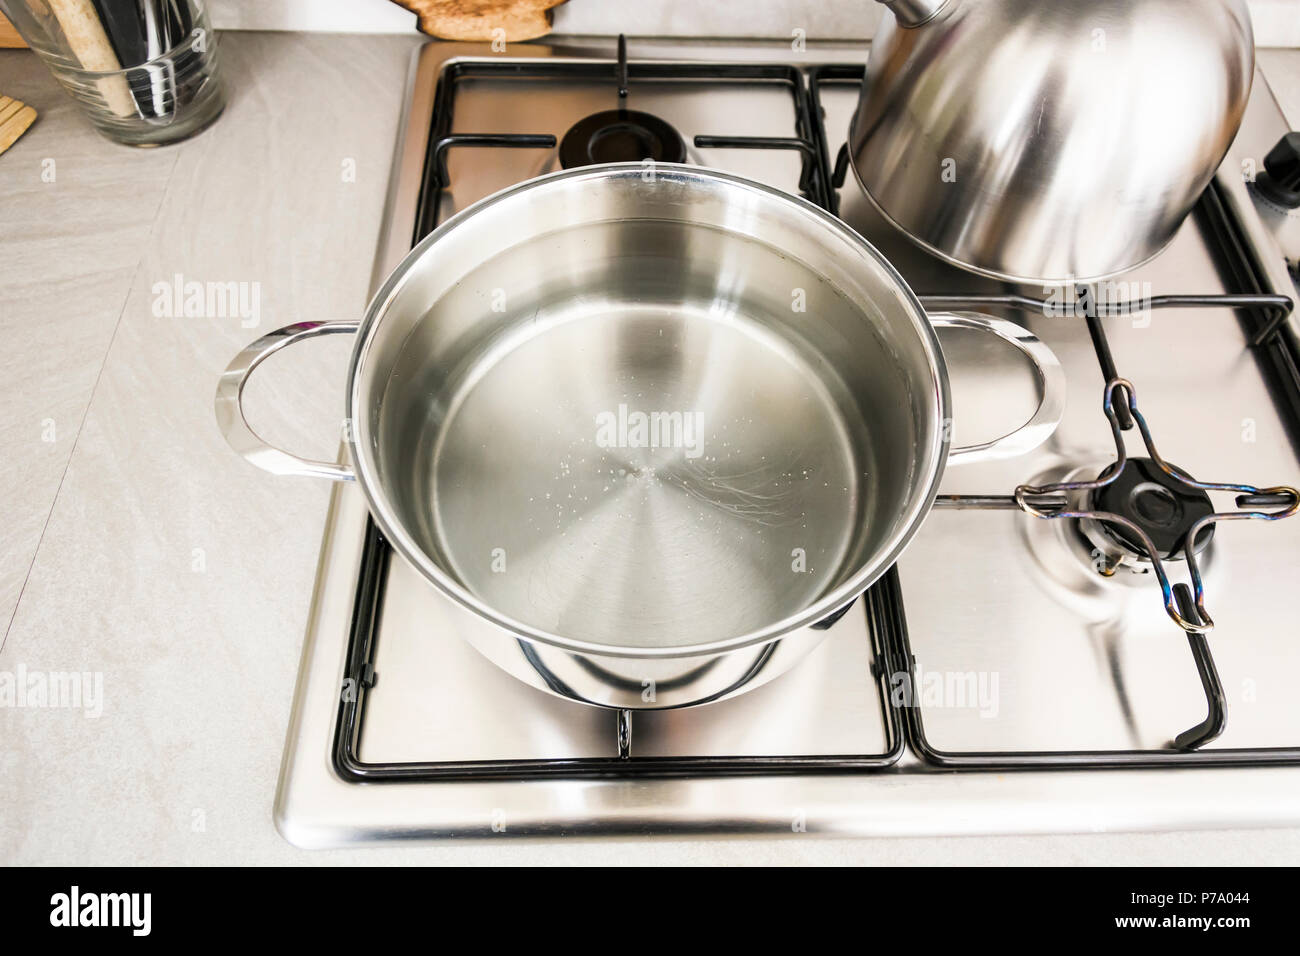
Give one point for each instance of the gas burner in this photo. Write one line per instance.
(621, 136)
(1148, 506)
(1085, 565)
(1164, 506)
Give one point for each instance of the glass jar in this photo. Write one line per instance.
(144, 72)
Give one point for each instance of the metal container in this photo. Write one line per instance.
(1049, 142)
(652, 425)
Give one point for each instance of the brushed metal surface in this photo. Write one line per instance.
(1058, 684)
(432, 681)
(1049, 141)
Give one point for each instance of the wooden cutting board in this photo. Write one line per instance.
(507, 20)
(15, 117)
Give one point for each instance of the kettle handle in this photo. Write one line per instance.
(1051, 385)
(913, 13)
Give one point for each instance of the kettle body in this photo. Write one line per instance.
(1049, 142)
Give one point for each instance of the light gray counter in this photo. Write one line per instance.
(136, 545)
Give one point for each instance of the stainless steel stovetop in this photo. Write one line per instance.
(1017, 653)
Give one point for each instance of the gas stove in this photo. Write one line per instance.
(1019, 632)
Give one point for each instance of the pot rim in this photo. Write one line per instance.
(363, 456)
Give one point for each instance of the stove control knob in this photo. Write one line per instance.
(1280, 179)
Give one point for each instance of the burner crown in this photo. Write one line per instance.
(1160, 505)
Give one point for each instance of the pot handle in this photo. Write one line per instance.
(1051, 384)
(229, 407)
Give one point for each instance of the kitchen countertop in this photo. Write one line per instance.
(135, 544)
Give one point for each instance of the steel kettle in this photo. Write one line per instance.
(1048, 142)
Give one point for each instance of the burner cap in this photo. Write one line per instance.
(1162, 506)
(621, 136)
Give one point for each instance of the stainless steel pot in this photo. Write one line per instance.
(1049, 141)
(648, 425)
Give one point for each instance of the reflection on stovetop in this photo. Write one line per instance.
(428, 677)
